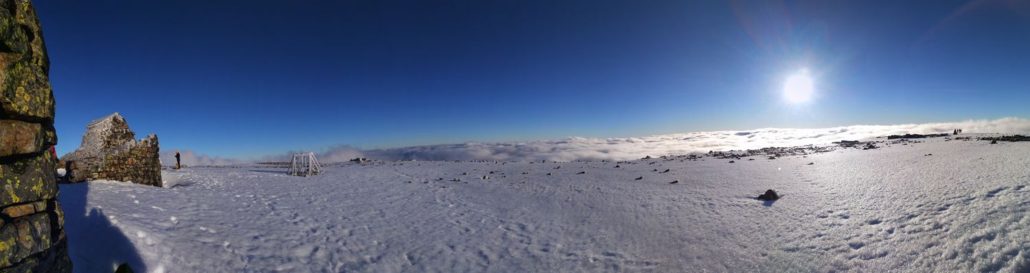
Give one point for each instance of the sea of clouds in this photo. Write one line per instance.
(191, 158)
(580, 148)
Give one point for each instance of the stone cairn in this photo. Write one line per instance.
(32, 237)
(110, 151)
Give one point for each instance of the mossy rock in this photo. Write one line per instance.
(27, 180)
(25, 91)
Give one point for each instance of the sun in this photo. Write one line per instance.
(799, 87)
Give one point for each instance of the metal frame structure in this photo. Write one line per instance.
(305, 164)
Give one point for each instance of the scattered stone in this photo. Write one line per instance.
(582, 172)
(811, 163)
(731, 161)
(666, 170)
(640, 178)
(908, 136)
(769, 195)
(674, 182)
(548, 174)
(1012, 138)
(847, 143)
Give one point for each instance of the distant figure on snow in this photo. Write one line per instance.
(178, 162)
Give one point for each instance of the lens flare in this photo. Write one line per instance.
(799, 87)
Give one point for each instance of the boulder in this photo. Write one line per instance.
(110, 151)
(769, 195)
(32, 237)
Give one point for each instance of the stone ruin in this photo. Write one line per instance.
(32, 235)
(110, 151)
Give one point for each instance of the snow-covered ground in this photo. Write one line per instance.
(936, 206)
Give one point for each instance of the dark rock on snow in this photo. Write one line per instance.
(769, 195)
(1012, 138)
(906, 136)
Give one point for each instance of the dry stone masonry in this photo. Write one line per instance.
(31, 235)
(110, 151)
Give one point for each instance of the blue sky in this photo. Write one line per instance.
(251, 78)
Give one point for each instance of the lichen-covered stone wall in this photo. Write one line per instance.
(31, 235)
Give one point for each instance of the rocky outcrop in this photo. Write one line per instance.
(110, 151)
(1012, 138)
(32, 237)
(909, 136)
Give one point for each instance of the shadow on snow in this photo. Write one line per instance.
(94, 243)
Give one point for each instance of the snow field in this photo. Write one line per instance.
(897, 208)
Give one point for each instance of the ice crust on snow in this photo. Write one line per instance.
(891, 209)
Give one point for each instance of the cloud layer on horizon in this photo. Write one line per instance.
(577, 148)
(191, 158)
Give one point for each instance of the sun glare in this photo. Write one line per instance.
(799, 87)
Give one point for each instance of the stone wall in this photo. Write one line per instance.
(109, 151)
(31, 235)
(139, 164)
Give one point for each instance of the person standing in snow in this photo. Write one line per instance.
(177, 161)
